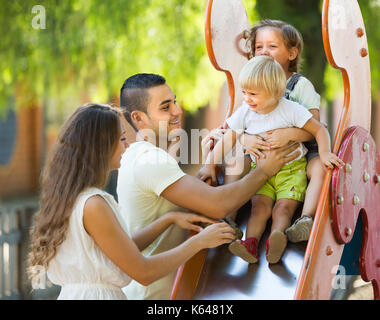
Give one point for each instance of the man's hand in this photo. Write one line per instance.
(207, 171)
(277, 158)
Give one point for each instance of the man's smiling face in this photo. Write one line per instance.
(163, 114)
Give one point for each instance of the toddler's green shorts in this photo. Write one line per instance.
(289, 183)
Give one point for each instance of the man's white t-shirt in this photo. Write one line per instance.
(286, 115)
(145, 172)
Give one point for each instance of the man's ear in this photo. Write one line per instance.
(293, 53)
(137, 118)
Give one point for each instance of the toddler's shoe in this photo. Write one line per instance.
(300, 230)
(275, 246)
(245, 249)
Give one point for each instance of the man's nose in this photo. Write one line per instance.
(177, 111)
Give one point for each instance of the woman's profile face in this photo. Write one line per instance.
(121, 146)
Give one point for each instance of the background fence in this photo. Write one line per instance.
(15, 221)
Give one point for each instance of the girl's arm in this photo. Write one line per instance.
(102, 225)
(281, 137)
(322, 136)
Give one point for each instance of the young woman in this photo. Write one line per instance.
(78, 239)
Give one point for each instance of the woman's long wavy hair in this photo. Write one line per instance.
(79, 159)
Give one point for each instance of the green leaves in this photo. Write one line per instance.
(90, 47)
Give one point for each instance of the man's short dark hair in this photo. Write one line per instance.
(134, 93)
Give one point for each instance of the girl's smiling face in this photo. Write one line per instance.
(270, 42)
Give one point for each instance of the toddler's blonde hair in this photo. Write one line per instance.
(263, 73)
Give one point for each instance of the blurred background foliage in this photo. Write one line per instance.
(90, 47)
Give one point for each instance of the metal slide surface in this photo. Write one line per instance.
(227, 277)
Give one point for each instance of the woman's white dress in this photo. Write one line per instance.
(82, 270)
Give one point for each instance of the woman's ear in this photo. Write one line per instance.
(293, 53)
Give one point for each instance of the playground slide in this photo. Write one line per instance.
(347, 221)
(228, 277)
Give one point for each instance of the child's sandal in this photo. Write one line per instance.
(275, 246)
(245, 249)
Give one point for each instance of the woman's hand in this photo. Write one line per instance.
(277, 138)
(188, 220)
(329, 160)
(215, 235)
(254, 144)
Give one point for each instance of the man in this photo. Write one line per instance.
(150, 182)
